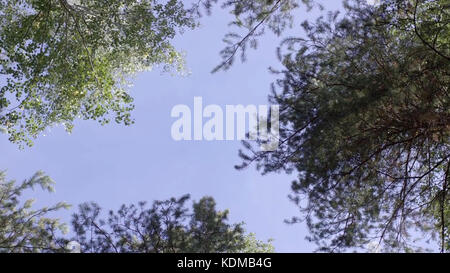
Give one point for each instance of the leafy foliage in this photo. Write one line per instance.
(366, 124)
(253, 245)
(167, 227)
(23, 229)
(66, 59)
(69, 59)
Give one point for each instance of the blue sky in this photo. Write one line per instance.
(116, 164)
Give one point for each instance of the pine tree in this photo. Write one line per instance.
(22, 228)
(366, 124)
(166, 227)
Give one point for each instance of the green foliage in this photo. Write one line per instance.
(253, 245)
(64, 59)
(365, 122)
(23, 229)
(167, 227)
(254, 18)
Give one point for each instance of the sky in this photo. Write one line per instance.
(115, 164)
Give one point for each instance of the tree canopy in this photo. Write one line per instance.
(166, 227)
(365, 122)
(63, 60)
(365, 119)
